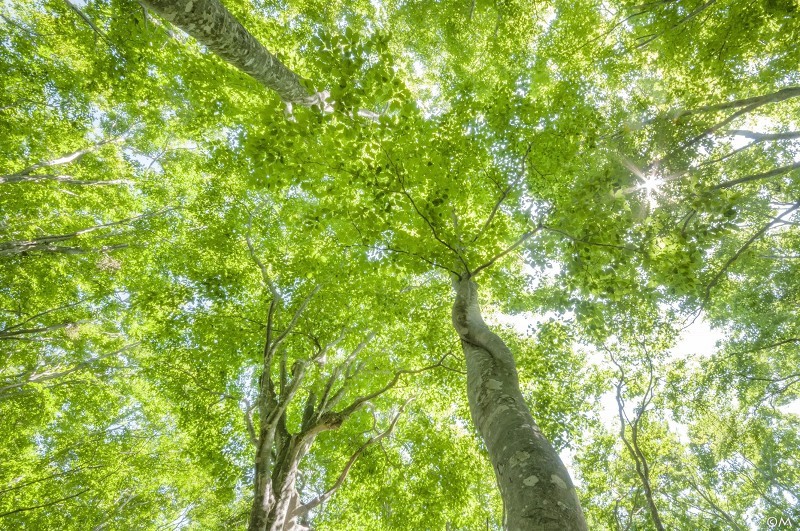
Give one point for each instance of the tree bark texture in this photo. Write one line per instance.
(537, 491)
(212, 25)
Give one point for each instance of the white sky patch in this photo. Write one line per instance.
(545, 19)
(145, 161)
(792, 408)
(538, 276)
(567, 456)
(522, 323)
(759, 124)
(698, 340)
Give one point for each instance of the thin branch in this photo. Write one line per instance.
(9, 333)
(64, 179)
(744, 247)
(33, 377)
(360, 401)
(51, 310)
(60, 249)
(770, 380)
(48, 504)
(322, 352)
(11, 22)
(89, 22)
(757, 176)
(747, 105)
(325, 496)
(427, 221)
(426, 260)
(774, 97)
(503, 196)
(326, 403)
(275, 415)
(640, 462)
(761, 137)
(74, 156)
(45, 478)
(587, 242)
(45, 243)
(522, 239)
(248, 420)
(714, 507)
(765, 347)
(264, 274)
(714, 128)
(682, 21)
(295, 318)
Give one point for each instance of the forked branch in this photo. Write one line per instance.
(503, 196)
(325, 496)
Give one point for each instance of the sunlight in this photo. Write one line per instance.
(651, 183)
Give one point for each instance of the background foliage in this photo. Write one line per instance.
(651, 148)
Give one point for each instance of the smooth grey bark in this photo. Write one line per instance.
(537, 491)
(49, 243)
(66, 179)
(26, 174)
(212, 25)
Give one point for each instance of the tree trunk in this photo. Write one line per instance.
(537, 491)
(284, 482)
(212, 25)
(263, 498)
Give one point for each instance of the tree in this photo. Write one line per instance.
(615, 171)
(535, 485)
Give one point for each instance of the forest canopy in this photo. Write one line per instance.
(376, 265)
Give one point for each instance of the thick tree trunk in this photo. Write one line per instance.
(263, 498)
(285, 481)
(537, 491)
(212, 25)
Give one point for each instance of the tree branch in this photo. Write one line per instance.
(295, 318)
(202, 19)
(427, 221)
(682, 21)
(248, 420)
(640, 462)
(774, 97)
(45, 243)
(522, 239)
(325, 496)
(89, 22)
(43, 505)
(264, 274)
(326, 403)
(503, 196)
(9, 334)
(65, 179)
(587, 242)
(744, 247)
(72, 157)
(757, 176)
(360, 401)
(33, 377)
(761, 137)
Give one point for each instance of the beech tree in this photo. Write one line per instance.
(240, 234)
